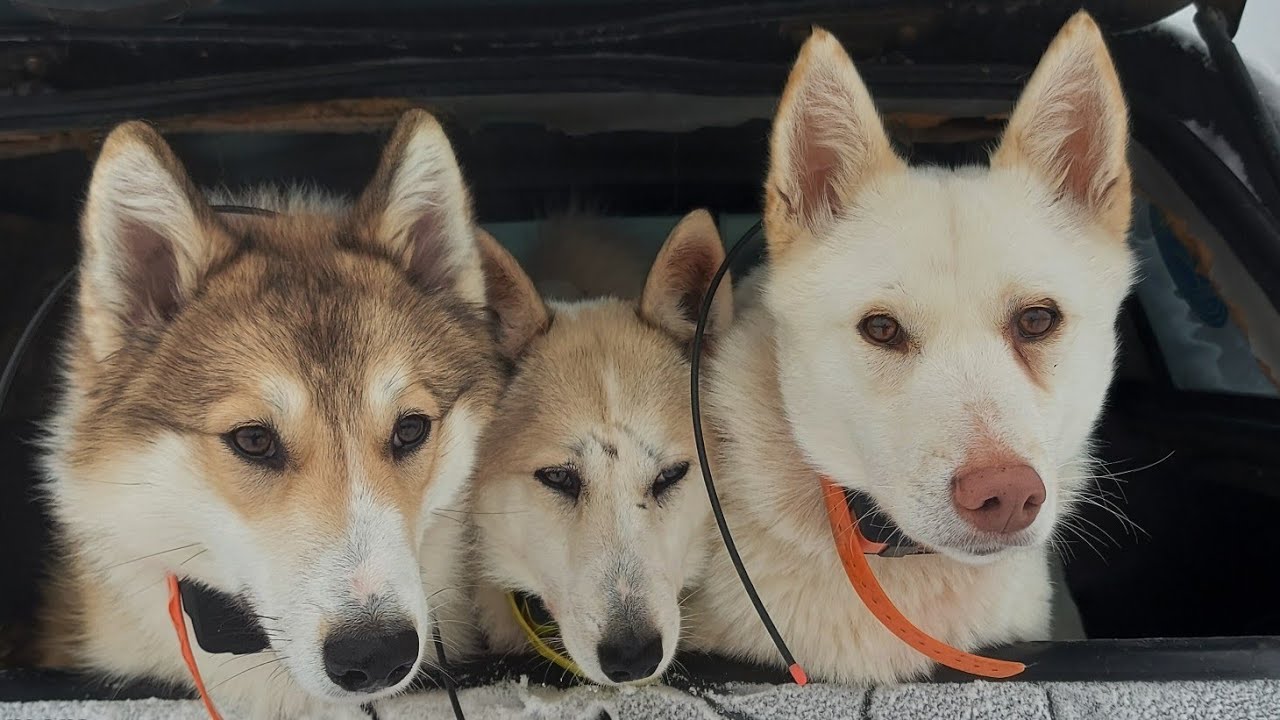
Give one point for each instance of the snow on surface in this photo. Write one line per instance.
(973, 700)
(1256, 41)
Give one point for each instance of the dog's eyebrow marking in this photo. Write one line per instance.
(610, 449)
(287, 396)
(386, 384)
(649, 450)
(577, 448)
(581, 446)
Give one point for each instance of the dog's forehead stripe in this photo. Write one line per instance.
(614, 395)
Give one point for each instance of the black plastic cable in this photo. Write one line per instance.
(38, 318)
(1212, 26)
(29, 333)
(449, 685)
(696, 405)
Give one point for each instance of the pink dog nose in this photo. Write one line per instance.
(999, 499)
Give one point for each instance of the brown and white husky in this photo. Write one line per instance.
(280, 408)
(939, 340)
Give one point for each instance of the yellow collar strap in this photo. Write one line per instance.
(538, 631)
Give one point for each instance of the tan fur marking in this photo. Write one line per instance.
(677, 284)
(1071, 126)
(827, 143)
(521, 312)
(987, 451)
(1034, 356)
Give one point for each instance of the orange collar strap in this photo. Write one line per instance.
(852, 545)
(184, 643)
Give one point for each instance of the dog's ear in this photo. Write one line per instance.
(680, 277)
(149, 237)
(417, 210)
(521, 314)
(1071, 128)
(827, 143)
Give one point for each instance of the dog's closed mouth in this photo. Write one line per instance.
(541, 629)
(882, 535)
(222, 622)
(536, 612)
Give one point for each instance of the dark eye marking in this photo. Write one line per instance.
(668, 478)
(563, 479)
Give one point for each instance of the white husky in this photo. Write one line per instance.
(588, 491)
(941, 341)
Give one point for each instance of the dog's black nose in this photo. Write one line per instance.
(366, 660)
(629, 656)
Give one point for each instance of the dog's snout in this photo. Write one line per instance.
(999, 499)
(366, 660)
(631, 654)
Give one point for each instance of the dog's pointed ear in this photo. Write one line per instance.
(1071, 128)
(417, 210)
(521, 314)
(149, 238)
(827, 143)
(681, 275)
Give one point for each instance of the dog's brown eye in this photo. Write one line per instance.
(563, 479)
(254, 441)
(257, 444)
(410, 432)
(1036, 322)
(882, 330)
